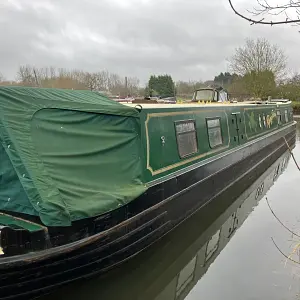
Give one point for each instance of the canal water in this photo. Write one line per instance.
(231, 250)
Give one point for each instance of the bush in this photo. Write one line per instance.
(296, 107)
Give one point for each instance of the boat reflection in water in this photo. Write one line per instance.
(170, 268)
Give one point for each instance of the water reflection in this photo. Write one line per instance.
(171, 268)
(190, 274)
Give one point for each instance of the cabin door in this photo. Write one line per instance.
(237, 128)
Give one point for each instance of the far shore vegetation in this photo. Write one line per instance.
(256, 70)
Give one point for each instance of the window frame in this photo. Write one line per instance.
(286, 116)
(278, 114)
(184, 133)
(264, 119)
(260, 122)
(207, 130)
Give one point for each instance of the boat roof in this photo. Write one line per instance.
(195, 104)
(184, 105)
(35, 98)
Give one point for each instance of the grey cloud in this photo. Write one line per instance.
(190, 39)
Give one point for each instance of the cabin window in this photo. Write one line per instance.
(259, 121)
(278, 117)
(214, 132)
(264, 119)
(186, 137)
(286, 116)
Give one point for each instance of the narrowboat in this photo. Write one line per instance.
(87, 182)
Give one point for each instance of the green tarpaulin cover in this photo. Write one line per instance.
(67, 155)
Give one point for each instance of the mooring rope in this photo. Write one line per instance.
(273, 213)
(291, 152)
(288, 257)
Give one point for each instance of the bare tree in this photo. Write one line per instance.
(258, 56)
(289, 10)
(2, 78)
(133, 85)
(103, 81)
(28, 75)
(90, 80)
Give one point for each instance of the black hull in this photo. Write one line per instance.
(154, 214)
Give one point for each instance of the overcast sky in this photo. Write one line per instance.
(189, 39)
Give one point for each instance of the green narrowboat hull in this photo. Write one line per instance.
(239, 124)
(86, 183)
